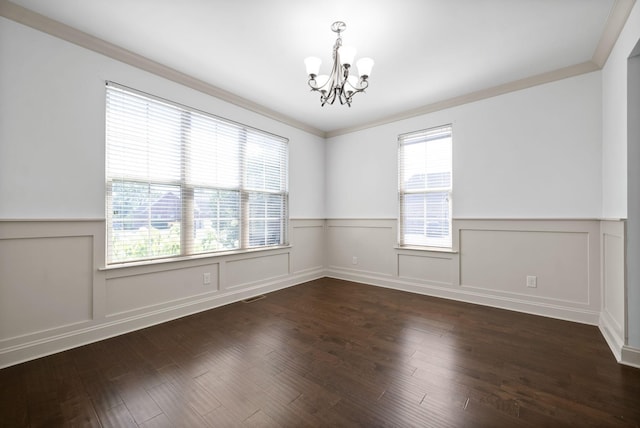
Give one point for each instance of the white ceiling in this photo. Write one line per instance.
(425, 51)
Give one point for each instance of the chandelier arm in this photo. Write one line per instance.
(364, 83)
(311, 81)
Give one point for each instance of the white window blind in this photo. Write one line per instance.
(182, 182)
(425, 187)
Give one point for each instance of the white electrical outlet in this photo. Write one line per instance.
(354, 260)
(532, 281)
(206, 278)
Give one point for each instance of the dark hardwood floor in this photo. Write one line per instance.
(333, 353)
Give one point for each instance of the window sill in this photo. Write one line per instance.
(427, 249)
(194, 257)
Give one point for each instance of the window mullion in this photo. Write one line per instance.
(244, 195)
(450, 207)
(110, 210)
(187, 191)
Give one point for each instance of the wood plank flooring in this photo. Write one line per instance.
(332, 353)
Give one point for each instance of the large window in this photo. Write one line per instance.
(183, 182)
(425, 185)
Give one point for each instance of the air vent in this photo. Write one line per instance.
(253, 299)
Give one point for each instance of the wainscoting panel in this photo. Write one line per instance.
(249, 270)
(501, 260)
(56, 294)
(307, 238)
(428, 268)
(362, 246)
(613, 317)
(49, 284)
(46, 283)
(496, 256)
(488, 265)
(139, 291)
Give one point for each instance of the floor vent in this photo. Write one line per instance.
(253, 299)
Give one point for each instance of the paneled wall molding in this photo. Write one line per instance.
(246, 273)
(308, 238)
(34, 346)
(147, 268)
(493, 260)
(361, 222)
(559, 224)
(613, 318)
(54, 296)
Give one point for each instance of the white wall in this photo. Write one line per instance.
(614, 121)
(534, 153)
(633, 200)
(613, 313)
(52, 128)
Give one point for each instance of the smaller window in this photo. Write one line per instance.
(425, 186)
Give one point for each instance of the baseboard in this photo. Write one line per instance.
(611, 335)
(583, 316)
(630, 356)
(36, 348)
(624, 354)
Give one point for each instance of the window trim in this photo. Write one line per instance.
(188, 189)
(401, 245)
(195, 258)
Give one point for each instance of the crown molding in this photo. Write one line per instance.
(539, 79)
(62, 31)
(613, 27)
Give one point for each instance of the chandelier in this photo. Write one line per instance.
(339, 84)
